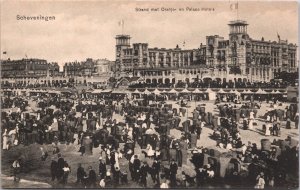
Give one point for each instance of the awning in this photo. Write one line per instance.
(106, 91)
(97, 91)
(221, 91)
(136, 91)
(197, 91)
(185, 91)
(172, 91)
(156, 91)
(260, 91)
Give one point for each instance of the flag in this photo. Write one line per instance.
(4, 52)
(234, 6)
(278, 36)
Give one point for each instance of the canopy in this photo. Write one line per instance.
(221, 91)
(276, 92)
(146, 92)
(247, 92)
(208, 90)
(185, 91)
(106, 91)
(136, 91)
(97, 91)
(197, 91)
(156, 91)
(119, 92)
(260, 91)
(172, 91)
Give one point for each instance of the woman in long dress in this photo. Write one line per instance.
(5, 140)
(268, 131)
(250, 126)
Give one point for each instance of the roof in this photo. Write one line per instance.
(130, 79)
(238, 22)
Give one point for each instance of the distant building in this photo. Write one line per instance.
(34, 71)
(24, 68)
(88, 68)
(89, 71)
(238, 58)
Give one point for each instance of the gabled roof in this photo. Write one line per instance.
(130, 79)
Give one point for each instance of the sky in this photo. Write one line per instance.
(87, 29)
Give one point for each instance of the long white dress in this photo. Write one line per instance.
(5, 139)
(117, 160)
(250, 126)
(268, 132)
(251, 115)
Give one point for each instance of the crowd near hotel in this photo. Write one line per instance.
(224, 114)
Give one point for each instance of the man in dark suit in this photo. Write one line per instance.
(60, 166)
(197, 159)
(173, 172)
(102, 169)
(53, 168)
(136, 168)
(155, 171)
(92, 177)
(143, 173)
(80, 174)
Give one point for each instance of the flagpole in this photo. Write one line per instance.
(237, 10)
(122, 27)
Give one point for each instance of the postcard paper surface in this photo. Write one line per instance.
(149, 94)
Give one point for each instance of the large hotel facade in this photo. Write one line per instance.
(238, 58)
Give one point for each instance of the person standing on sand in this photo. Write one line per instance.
(60, 166)
(5, 140)
(80, 174)
(67, 171)
(53, 169)
(92, 178)
(16, 169)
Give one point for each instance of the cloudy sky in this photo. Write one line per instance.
(83, 29)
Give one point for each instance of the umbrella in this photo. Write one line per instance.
(176, 133)
(189, 170)
(150, 132)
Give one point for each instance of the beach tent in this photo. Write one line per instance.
(156, 91)
(211, 94)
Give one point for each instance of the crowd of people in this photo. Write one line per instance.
(141, 137)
